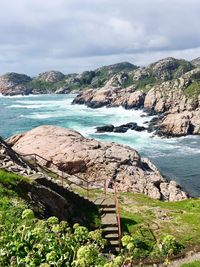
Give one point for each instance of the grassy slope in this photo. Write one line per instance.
(192, 264)
(11, 205)
(193, 90)
(176, 218)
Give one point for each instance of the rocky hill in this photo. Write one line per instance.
(57, 82)
(51, 76)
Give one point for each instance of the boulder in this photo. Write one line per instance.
(106, 128)
(120, 129)
(181, 124)
(94, 160)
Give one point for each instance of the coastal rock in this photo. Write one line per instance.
(106, 128)
(120, 129)
(14, 84)
(181, 124)
(135, 99)
(94, 160)
(175, 97)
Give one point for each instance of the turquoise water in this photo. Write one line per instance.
(177, 158)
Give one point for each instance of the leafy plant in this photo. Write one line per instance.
(35, 242)
(143, 244)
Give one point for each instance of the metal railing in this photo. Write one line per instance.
(87, 184)
(118, 213)
(66, 177)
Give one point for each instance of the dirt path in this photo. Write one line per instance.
(187, 259)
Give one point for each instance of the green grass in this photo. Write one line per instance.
(11, 204)
(175, 218)
(192, 264)
(8, 178)
(145, 84)
(193, 90)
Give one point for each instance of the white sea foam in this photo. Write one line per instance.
(18, 96)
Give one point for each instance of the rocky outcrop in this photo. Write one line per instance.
(180, 124)
(111, 96)
(163, 70)
(51, 76)
(11, 161)
(173, 99)
(14, 84)
(94, 160)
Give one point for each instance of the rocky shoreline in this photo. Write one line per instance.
(94, 160)
(177, 113)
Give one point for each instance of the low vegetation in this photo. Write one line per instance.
(175, 218)
(145, 84)
(192, 264)
(193, 90)
(151, 230)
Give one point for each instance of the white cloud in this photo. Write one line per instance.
(74, 35)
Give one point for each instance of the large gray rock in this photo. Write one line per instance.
(94, 160)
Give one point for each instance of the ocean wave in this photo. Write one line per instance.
(43, 116)
(19, 96)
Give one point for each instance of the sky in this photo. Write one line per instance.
(77, 35)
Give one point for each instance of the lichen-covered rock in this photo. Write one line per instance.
(51, 76)
(94, 160)
(162, 70)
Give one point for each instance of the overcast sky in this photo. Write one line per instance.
(77, 35)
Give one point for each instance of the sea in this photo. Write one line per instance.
(177, 158)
